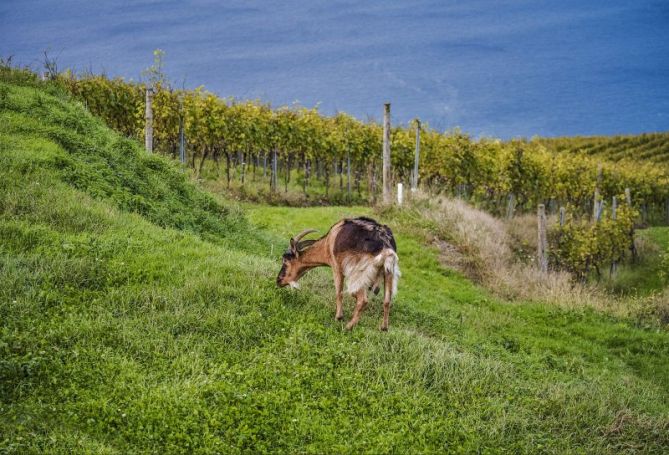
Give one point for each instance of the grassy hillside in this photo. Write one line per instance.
(652, 147)
(138, 314)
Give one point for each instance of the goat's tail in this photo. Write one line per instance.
(391, 266)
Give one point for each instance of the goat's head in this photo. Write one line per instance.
(291, 267)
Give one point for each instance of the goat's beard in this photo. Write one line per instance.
(294, 285)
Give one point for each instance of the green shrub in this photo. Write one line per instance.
(581, 246)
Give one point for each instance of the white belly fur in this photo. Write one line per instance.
(361, 271)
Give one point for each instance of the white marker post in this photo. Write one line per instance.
(400, 194)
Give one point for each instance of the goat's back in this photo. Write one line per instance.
(363, 235)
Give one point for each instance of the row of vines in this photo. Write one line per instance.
(581, 246)
(243, 136)
(648, 146)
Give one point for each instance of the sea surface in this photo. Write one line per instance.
(492, 68)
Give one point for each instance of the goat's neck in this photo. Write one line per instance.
(316, 255)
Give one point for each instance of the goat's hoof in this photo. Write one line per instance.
(383, 328)
(339, 317)
(349, 326)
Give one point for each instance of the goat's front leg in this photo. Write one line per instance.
(361, 303)
(339, 284)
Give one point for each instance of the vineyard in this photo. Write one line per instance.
(140, 314)
(246, 142)
(653, 147)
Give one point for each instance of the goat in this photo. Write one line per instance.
(359, 250)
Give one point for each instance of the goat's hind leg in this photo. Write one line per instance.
(339, 285)
(387, 296)
(376, 285)
(361, 303)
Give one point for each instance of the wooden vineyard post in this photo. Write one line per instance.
(271, 173)
(387, 189)
(243, 166)
(562, 216)
(414, 176)
(348, 175)
(182, 139)
(148, 118)
(595, 205)
(598, 212)
(305, 181)
(510, 206)
(400, 194)
(614, 209)
(628, 200)
(272, 178)
(182, 136)
(596, 199)
(374, 183)
(286, 179)
(339, 170)
(326, 172)
(542, 242)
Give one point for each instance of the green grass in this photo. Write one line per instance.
(139, 314)
(643, 278)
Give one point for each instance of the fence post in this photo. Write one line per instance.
(182, 141)
(272, 180)
(542, 242)
(666, 210)
(562, 216)
(510, 206)
(400, 193)
(148, 118)
(182, 137)
(600, 209)
(387, 189)
(348, 175)
(414, 179)
(628, 199)
(614, 209)
(374, 183)
(595, 204)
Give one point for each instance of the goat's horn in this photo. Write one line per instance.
(299, 236)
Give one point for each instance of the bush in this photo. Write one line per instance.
(581, 246)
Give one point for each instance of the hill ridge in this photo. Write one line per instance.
(141, 315)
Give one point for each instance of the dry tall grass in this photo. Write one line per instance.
(500, 255)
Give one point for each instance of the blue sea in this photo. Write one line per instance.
(492, 68)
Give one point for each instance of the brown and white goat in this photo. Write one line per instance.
(359, 250)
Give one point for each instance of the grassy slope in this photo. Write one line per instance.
(644, 277)
(140, 315)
